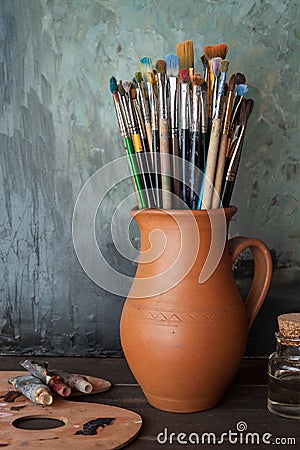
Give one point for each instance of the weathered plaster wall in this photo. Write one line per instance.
(58, 127)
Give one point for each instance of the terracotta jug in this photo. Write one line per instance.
(184, 325)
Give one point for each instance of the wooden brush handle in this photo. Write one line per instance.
(219, 172)
(211, 164)
(165, 163)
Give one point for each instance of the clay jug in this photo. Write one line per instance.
(184, 325)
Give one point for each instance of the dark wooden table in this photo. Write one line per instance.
(244, 405)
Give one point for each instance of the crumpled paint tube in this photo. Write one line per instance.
(32, 388)
(78, 382)
(54, 381)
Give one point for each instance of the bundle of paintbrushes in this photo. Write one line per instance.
(183, 131)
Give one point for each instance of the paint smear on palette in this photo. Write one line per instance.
(90, 428)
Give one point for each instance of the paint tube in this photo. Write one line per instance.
(54, 381)
(32, 388)
(77, 382)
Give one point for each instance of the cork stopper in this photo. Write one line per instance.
(289, 325)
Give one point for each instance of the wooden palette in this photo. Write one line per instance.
(124, 427)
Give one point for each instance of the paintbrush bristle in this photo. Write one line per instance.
(231, 85)
(204, 86)
(242, 89)
(185, 51)
(113, 85)
(138, 77)
(152, 77)
(224, 64)
(133, 93)
(116, 97)
(204, 62)
(172, 64)
(121, 89)
(126, 85)
(249, 107)
(245, 111)
(184, 75)
(240, 78)
(198, 80)
(212, 51)
(146, 67)
(161, 66)
(215, 65)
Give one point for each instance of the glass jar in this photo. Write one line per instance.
(284, 376)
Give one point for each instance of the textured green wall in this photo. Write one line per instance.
(58, 127)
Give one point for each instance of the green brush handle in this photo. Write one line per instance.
(135, 171)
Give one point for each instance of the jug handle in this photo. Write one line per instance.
(262, 272)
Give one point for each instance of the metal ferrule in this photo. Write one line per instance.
(228, 113)
(162, 95)
(196, 113)
(132, 123)
(143, 103)
(204, 115)
(217, 114)
(121, 120)
(215, 95)
(153, 107)
(185, 92)
(139, 119)
(125, 111)
(173, 102)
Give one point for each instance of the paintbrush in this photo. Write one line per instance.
(214, 141)
(145, 155)
(204, 137)
(164, 135)
(210, 52)
(245, 111)
(223, 145)
(137, 182)
(195, 154)
(185, 52)
(185, 132)
(204, 123)
(221, 154)
(144, 107)
(152, 89)
(136, 138)
(172, 64)
(241, 91)
(150, 80)
(139, 117)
